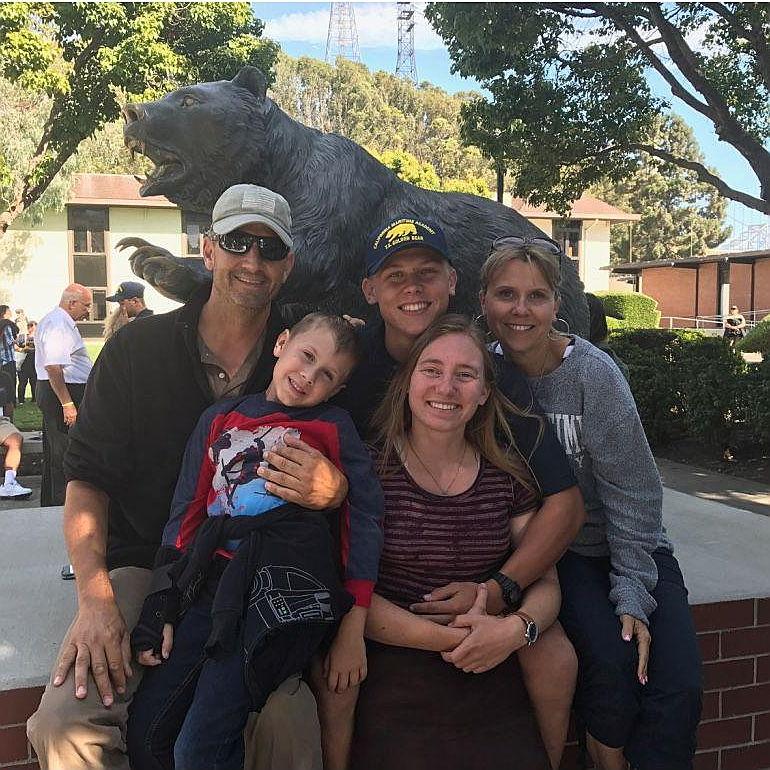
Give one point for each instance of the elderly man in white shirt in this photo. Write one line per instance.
(62, 365)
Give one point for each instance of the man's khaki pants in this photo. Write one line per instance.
(72, 734)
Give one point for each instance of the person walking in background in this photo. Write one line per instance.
(25, 345)
(130, 296)
(734, 326)
(62, 365)
(8, 333)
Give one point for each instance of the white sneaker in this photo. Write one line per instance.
(13, 489)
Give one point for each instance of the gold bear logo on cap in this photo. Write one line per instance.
(400, 230)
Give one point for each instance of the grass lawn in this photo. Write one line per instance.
(94, 347)
(28, 416)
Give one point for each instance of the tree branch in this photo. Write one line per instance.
(703, 173)
(645, 49)
(753, 33)
(727, 127)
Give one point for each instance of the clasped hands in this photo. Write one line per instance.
(490, 639)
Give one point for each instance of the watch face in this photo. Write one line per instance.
(531, 633)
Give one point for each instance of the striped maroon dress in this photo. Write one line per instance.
(432, 540)
(415, 711)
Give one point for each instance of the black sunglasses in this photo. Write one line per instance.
(271, 248)
(518, 240)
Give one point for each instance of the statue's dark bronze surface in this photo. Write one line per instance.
(209, 136)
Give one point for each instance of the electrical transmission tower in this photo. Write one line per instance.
(406, 66)
(342, 39)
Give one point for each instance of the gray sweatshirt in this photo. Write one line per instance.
(593, 414)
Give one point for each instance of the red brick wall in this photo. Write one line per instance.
(740, 285)
(674, 288)
(15, 707)
(734, 733)
(707, 288)
(762, 285)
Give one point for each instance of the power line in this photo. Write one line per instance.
(342, 38)
(406, 64)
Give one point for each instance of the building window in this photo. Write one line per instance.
(193, 227)
(89, 226)
(567, 233)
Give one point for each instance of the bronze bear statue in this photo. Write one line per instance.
(207, 137)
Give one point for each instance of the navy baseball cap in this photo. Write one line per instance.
(127, 290)
(403, 233)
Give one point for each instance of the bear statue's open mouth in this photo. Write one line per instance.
(168, 167)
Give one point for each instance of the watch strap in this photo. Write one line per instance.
(510, 590)
(529, 622)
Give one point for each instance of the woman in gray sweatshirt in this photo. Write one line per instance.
(624, 603)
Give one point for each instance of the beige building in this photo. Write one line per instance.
(78, 244)
(585, 236)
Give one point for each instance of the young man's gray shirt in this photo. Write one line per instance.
(594, 416)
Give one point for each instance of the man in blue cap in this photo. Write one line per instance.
(410, 277)
(130, 297)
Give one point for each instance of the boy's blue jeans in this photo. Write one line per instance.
(190, 711)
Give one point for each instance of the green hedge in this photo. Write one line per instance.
(757, 340)
(688, 384)
(629, 310)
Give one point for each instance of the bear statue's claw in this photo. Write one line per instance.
(174, 277)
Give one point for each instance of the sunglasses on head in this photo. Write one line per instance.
(271, 248)
(518, 240)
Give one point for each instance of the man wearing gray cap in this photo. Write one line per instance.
(147, 390)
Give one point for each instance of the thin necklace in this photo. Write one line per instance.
(444, 490)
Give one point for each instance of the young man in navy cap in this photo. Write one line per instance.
(130, 297)
(409, 276)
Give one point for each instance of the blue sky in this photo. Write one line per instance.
(301, 29)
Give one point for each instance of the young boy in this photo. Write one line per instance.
(246, 588)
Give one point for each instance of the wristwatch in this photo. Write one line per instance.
(531, 631)
(511, 591)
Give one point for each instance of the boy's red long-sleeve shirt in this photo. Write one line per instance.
(218, 477)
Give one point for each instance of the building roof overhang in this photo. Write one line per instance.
(112, 190)
(740, 257)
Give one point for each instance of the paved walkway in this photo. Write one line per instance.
(719, 487)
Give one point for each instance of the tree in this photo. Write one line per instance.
(422, 174)
(681, 216)
(383, 113)
(85, 57)
(570, 100)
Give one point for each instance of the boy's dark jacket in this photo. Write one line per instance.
(277, 599)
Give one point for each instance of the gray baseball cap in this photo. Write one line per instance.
(246, 204)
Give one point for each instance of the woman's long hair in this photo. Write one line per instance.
(488, 431)
(117, 319)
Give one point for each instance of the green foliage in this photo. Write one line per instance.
(88, 57)
(757, 340)
(629, 310)
(569, 102)
(684, 383)
(681, 216)
(412, 129)
(755, 400)
(422, 174)
(22, 116)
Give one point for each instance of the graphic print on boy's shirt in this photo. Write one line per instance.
(236, 455)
